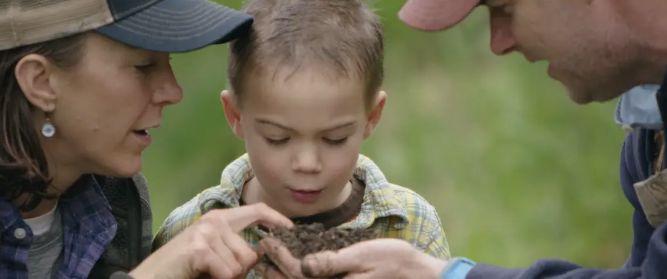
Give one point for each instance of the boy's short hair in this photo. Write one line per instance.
(344, 36)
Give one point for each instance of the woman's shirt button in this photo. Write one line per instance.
(20, 233)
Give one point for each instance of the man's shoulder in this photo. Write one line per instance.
(639, 152)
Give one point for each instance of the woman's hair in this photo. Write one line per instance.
(23, 166)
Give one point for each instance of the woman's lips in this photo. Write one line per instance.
(305, 196)
(143, 136)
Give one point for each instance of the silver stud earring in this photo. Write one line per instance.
(48, 129)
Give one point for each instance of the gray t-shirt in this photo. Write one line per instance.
(45, 250)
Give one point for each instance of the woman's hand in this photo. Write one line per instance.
(211, 246)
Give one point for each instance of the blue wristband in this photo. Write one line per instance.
(457, 268)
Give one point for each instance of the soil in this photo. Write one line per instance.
(306, 239)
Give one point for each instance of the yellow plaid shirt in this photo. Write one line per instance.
(391, 210)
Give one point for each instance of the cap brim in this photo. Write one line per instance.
(179, 26)
(434, 15)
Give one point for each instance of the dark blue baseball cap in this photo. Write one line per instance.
(158, 25)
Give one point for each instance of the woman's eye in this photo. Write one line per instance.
(273, 141)
(335, 141)
(145, 66)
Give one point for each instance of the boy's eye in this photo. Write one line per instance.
(335, 141)
(277, 141)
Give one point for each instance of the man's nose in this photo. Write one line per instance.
(502, 38)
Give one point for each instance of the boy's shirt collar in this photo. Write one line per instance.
(379, 200)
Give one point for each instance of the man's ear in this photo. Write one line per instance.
(375, 113)
(229, 103)
(33, 73)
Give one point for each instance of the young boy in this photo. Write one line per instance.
(304, 95)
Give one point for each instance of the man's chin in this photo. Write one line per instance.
(579, 96)
(583, 96)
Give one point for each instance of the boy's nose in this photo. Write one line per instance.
(307, 160)
(502, 38)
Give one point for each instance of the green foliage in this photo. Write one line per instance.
(516, 171)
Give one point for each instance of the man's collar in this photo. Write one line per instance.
(638, 108)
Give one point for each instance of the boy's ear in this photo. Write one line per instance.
(33, 73)
(375, 113)
(232, 112)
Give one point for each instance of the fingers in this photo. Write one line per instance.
(240, 218)
(378, 258)
(214, 248)
(209, 261)
(269, 272)
(281, 256)
(237, 256)
(360, 276)
(245, 256)
(209, 253)
(212, 245)
(329, 263)
(235, 253)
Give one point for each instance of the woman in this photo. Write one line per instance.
(83, 82)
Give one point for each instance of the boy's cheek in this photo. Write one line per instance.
(344, 161)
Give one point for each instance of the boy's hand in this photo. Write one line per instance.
(211, 245)
(378, 258)
(288, 265)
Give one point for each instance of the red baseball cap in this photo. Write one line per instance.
(434, 15)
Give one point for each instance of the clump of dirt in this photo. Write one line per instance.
(304, 239)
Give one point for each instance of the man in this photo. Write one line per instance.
(598, 49)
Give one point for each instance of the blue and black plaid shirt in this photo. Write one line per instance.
(88, 227)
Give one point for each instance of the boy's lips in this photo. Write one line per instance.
(305, 196)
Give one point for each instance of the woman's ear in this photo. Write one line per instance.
(229, 103)
(33, 73)
(375, 113)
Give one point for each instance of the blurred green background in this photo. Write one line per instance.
(516, 171)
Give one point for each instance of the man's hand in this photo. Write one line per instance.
(211, 246)
(379, 258)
